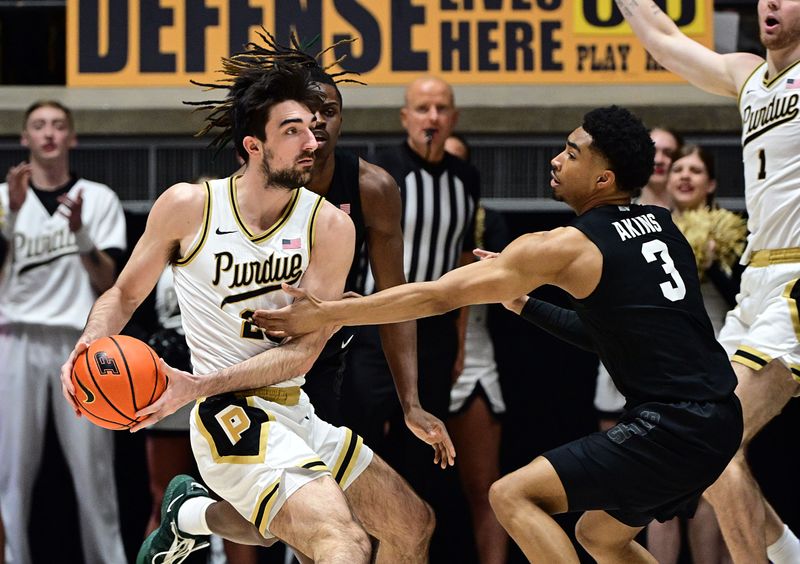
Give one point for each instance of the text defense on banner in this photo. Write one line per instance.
(137, 43)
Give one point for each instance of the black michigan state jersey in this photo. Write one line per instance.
(646, 316)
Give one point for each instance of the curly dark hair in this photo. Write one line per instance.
(625, 142)
(258, 78)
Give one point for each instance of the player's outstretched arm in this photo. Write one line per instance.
(706, 69)
(331, 257)
(554, 257)
(175, 216)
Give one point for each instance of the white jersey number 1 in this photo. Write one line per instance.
(656, 247)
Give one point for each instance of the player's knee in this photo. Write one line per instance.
(503, 495)
(342, 538)
(591, 539)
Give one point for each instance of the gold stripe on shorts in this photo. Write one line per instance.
(348, 457)
(792, 294)
(284, 396)
(766, 257)
(263, 506)
(751, 358)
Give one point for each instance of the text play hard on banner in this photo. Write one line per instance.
(139, 43)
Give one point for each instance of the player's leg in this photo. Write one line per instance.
(739, 505)
(89, 453)
(664, 540)
(317, 520)
(392, 513)
(610, 541)
(476, 436)
(705, 538)
(523, 502)
(168, 454)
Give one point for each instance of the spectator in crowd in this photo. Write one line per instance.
(65, 237)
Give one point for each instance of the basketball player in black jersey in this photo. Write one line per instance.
(634, 285)
(370, 196)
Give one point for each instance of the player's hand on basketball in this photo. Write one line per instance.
(18, 178)
(431, 430)
(181, 389)
(67, 388)
(71, 209)
(303, 316)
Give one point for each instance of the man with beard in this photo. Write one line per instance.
(761, 334)
(282, 472)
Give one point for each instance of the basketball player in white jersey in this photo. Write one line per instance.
(64, 236)
(761, 333)
(256, 438)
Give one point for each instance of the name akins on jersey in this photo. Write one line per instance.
(267, 275)
(44, 248)
(759, 120)
(633, 227)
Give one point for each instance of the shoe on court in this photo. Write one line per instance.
(168, 544)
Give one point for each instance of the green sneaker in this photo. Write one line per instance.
(168, 544)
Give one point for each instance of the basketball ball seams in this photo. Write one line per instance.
(128, 370)
(100, 388)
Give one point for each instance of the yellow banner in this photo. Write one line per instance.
(140, 43)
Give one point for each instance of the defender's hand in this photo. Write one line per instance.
(431, 430)
(303, 316)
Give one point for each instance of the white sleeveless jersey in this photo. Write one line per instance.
(770, 110)
(228, 272)
(43, 281)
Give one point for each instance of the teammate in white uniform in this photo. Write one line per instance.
(761, 333)
(64, 236)
(255, 436)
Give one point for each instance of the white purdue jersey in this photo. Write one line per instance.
(43, 281)
(770, 109)
(229, 272)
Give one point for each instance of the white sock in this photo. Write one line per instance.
(785, 550)
(192, 516)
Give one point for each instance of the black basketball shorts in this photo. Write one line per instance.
(654, 464)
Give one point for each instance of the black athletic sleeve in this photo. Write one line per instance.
(558, 321)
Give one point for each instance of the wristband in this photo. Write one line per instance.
(84, 241)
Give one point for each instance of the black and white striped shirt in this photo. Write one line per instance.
(438, 219)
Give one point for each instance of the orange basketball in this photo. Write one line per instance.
(116, 377)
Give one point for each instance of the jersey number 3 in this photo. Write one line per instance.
(675, 290)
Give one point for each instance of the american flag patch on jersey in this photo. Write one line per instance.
(792, 84)
(345, 208)
(290, 243)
